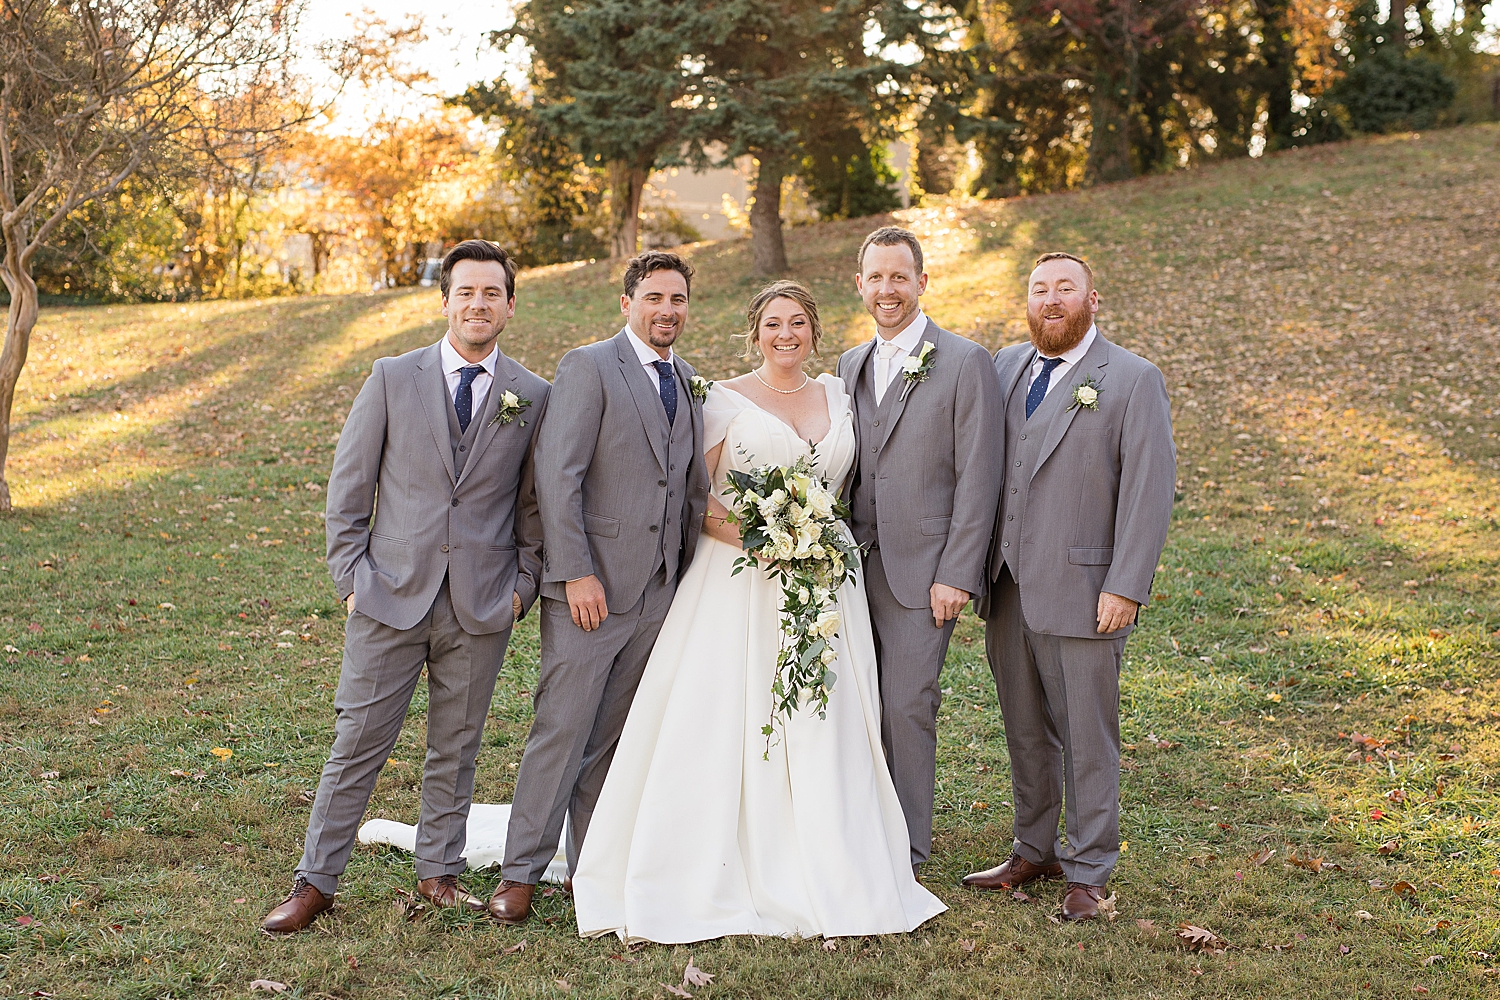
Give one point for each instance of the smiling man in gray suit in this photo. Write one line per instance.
(926, 412)
(1089, 480)
(622, 488)
(434, 544)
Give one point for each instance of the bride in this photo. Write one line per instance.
(696, 836)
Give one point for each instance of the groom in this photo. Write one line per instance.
(434, 577)
(622, 490)
(1089, 477)
(927, 481)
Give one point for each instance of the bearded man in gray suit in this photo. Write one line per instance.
(1089, 481)
(434, 544)
(622, 488)
(923, 496)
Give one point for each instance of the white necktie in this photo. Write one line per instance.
(887, 350)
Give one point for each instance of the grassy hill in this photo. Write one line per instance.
(1309, 710)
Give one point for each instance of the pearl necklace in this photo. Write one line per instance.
(784, 392)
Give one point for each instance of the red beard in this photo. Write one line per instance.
(1057, 340)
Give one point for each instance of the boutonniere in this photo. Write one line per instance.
(699, 387)
(511, 406)
(916, 368)
(1086, 394)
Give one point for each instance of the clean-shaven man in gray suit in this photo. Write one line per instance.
(923, 498)
(434, 544)
(1089, 479)
(622, 488)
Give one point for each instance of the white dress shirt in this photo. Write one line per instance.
(648, 355)
(480, 387)
(1069, 359)
(901, 346)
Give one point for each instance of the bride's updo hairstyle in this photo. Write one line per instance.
(757, 311)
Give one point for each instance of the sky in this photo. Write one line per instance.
(456, 53)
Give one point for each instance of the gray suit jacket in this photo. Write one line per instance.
(604, 476)
(1099, 498)
(399, 520)
(931, 471)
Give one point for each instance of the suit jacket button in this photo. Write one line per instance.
(445, 548)
(661, 482)
(464, 447)
(1018, 463)
(653, 527)
(877, 423)
(1023, 437)
(1010, 517)
(1013, 489)
(455, 503)
(1005, 545)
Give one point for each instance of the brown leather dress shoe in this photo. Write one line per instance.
(511, 903)
(568, 884)
(444, 890)
(297, 910)
(1081, 902)
(1014, 873)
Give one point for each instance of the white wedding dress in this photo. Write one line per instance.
(695, 836)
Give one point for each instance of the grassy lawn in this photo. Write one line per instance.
(1310, 708)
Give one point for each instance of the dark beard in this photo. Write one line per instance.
(1075, 328)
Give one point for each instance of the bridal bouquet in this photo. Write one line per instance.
(790, 520)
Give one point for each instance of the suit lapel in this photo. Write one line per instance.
(695, 405)
(1013, 378)
(1092, 365)
(856, 367)
(933, 333)
(647, 398)
(505, 379)
(434, 396)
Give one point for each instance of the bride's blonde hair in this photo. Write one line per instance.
(785, 289)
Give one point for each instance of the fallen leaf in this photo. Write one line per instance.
(563, 984)
(352, 961)
(1021, 897)
(627, 959)
(223, 753)
(1364, 914)
(408, 906)
(676, 991)
(1404, 888)
(26, 920)
(1201, 938)
(830, 945)
(966, 945)
(1344, 949)
(1107, 907)
(1146, 925)
(520, 946)
(1420, 989)
(269, 985)
(1432, 959)
(694, 976)
(1389, 847)
(51, 775)
(1261, 856)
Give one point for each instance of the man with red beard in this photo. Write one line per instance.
(1089, 478)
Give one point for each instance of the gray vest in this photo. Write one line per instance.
(679, 460)
(1023, 446)
(874, 422)
(462, 442)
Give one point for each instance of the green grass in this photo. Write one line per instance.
(1330, 331)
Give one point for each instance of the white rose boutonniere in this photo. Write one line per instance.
(916, 368)
(1086, 394)
(699, 387)
(511, 406)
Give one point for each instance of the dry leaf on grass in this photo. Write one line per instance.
(1432, 959)
(676, 991)
(516, 948)
(1107, 906)
(694, 976)
(1201, 939)
(1146, 925)
(269, 985)
(1389, 847)
(830, 945)
(1364, 914)
(967, 945)
(1261, 856)
(563, 984)
(408, 906)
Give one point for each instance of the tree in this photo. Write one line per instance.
(778, 79)
(610, 75)
(92, 91)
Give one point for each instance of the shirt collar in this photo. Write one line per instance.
(911, 336)
(1076, 354)
(645, 351)
(453, 361)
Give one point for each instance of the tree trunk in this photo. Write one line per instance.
(19, 321)
(1280, 58)
(1397, 23)
(1109, 111)
(626, 181)
(767, 246)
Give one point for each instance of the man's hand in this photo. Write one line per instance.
(947, 602)
(586, 601)
(515, 605)
(1115, 612)
(349, 602)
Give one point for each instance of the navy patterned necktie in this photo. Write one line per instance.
(463, 399)
(1039, 387)
(668, 388)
